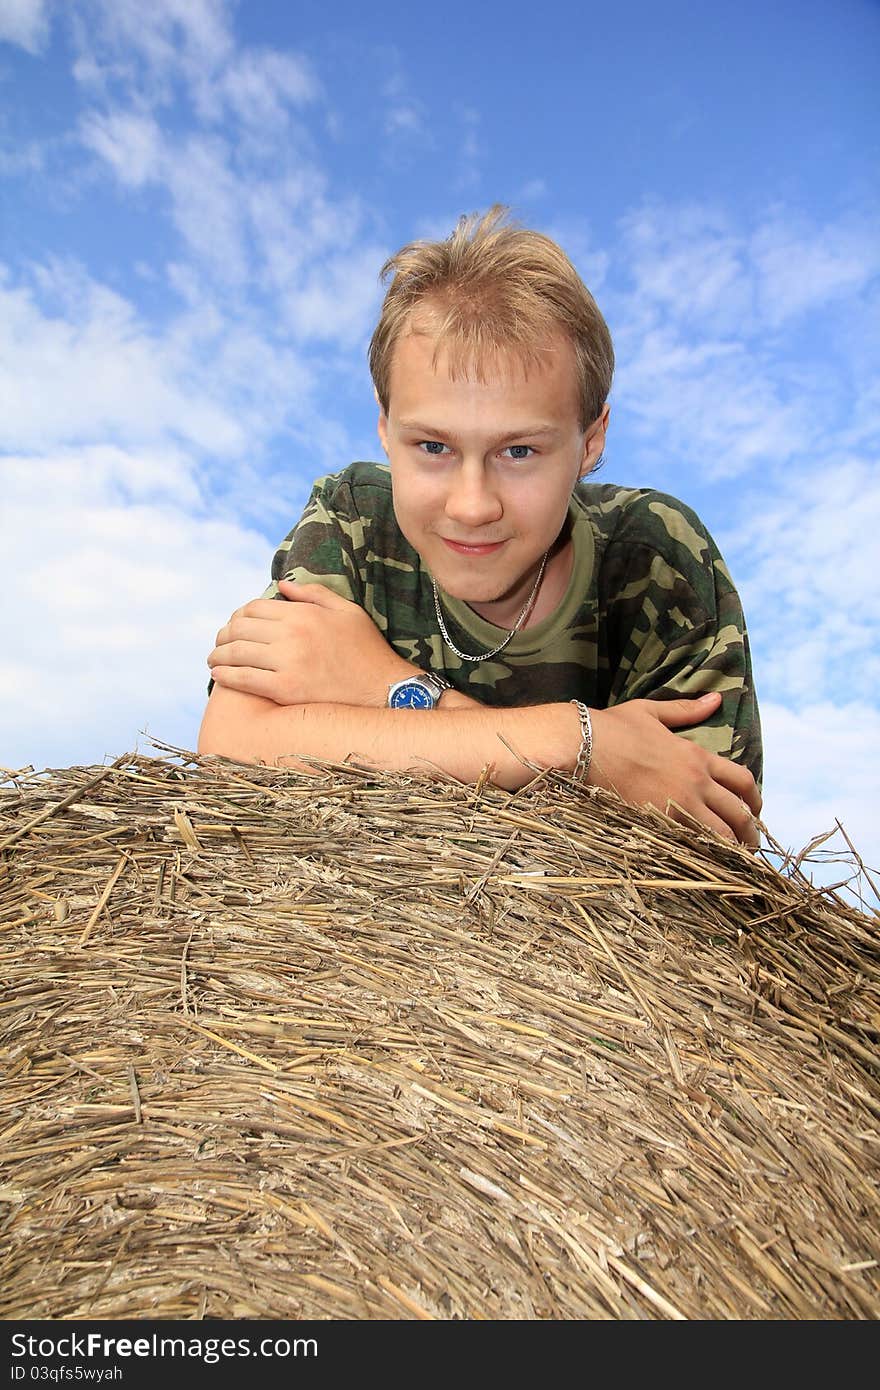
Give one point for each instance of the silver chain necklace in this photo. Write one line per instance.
(513, 631)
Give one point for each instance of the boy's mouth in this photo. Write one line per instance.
(467, 548)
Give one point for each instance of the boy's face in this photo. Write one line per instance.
(482, 472)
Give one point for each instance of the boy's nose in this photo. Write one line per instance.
(473, 499)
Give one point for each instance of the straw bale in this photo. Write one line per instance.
(360, 1046)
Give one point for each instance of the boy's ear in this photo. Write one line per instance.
(594, 442)
(382, 429)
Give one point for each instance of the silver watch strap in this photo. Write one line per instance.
(437, 684)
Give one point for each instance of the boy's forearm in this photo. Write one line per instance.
(462, 739)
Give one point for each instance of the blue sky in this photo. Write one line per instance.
(196, 198)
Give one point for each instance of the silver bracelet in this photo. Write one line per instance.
(585, 752)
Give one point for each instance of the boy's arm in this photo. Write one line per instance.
(311, 675)
(635, 751)
(462, 739)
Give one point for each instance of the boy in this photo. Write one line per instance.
(476, 605)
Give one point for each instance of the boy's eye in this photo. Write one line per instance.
(432, 446)
(519, 451)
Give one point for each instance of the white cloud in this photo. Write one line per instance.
(133, 552)
(25, 158)
(805, 267)
(532, 190)
(338, 298)
(116, 588)
(247, 225)
(208, 207)
(171, 40)
(709, 400)
(711, 349)
(806, 564)
(408, 125)
(688, 266)
(152, 52)
(208, 199)
(25, 22)
(291, 221)
(403, 119)
(87, 479)
(129, 142)
(822, 763)
(578, 240)
(87, 369)
(473, 150)
(687, 371)
(260, 84)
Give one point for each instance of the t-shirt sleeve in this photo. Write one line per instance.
(326, 545)
(677, 627)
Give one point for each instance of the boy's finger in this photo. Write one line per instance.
(252, 654)
(315, 592)
(676, 713)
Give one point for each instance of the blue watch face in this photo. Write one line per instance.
(412, 696)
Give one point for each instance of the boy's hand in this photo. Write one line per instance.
(636, 754)
(315, 648)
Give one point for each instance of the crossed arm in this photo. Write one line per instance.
(310, 677)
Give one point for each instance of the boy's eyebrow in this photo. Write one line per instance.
(533, 431)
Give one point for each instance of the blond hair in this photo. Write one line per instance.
(491, 288)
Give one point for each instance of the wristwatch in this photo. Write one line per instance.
(417, 692)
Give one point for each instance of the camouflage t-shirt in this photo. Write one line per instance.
(650, 609)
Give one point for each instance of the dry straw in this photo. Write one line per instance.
(351, 1046)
